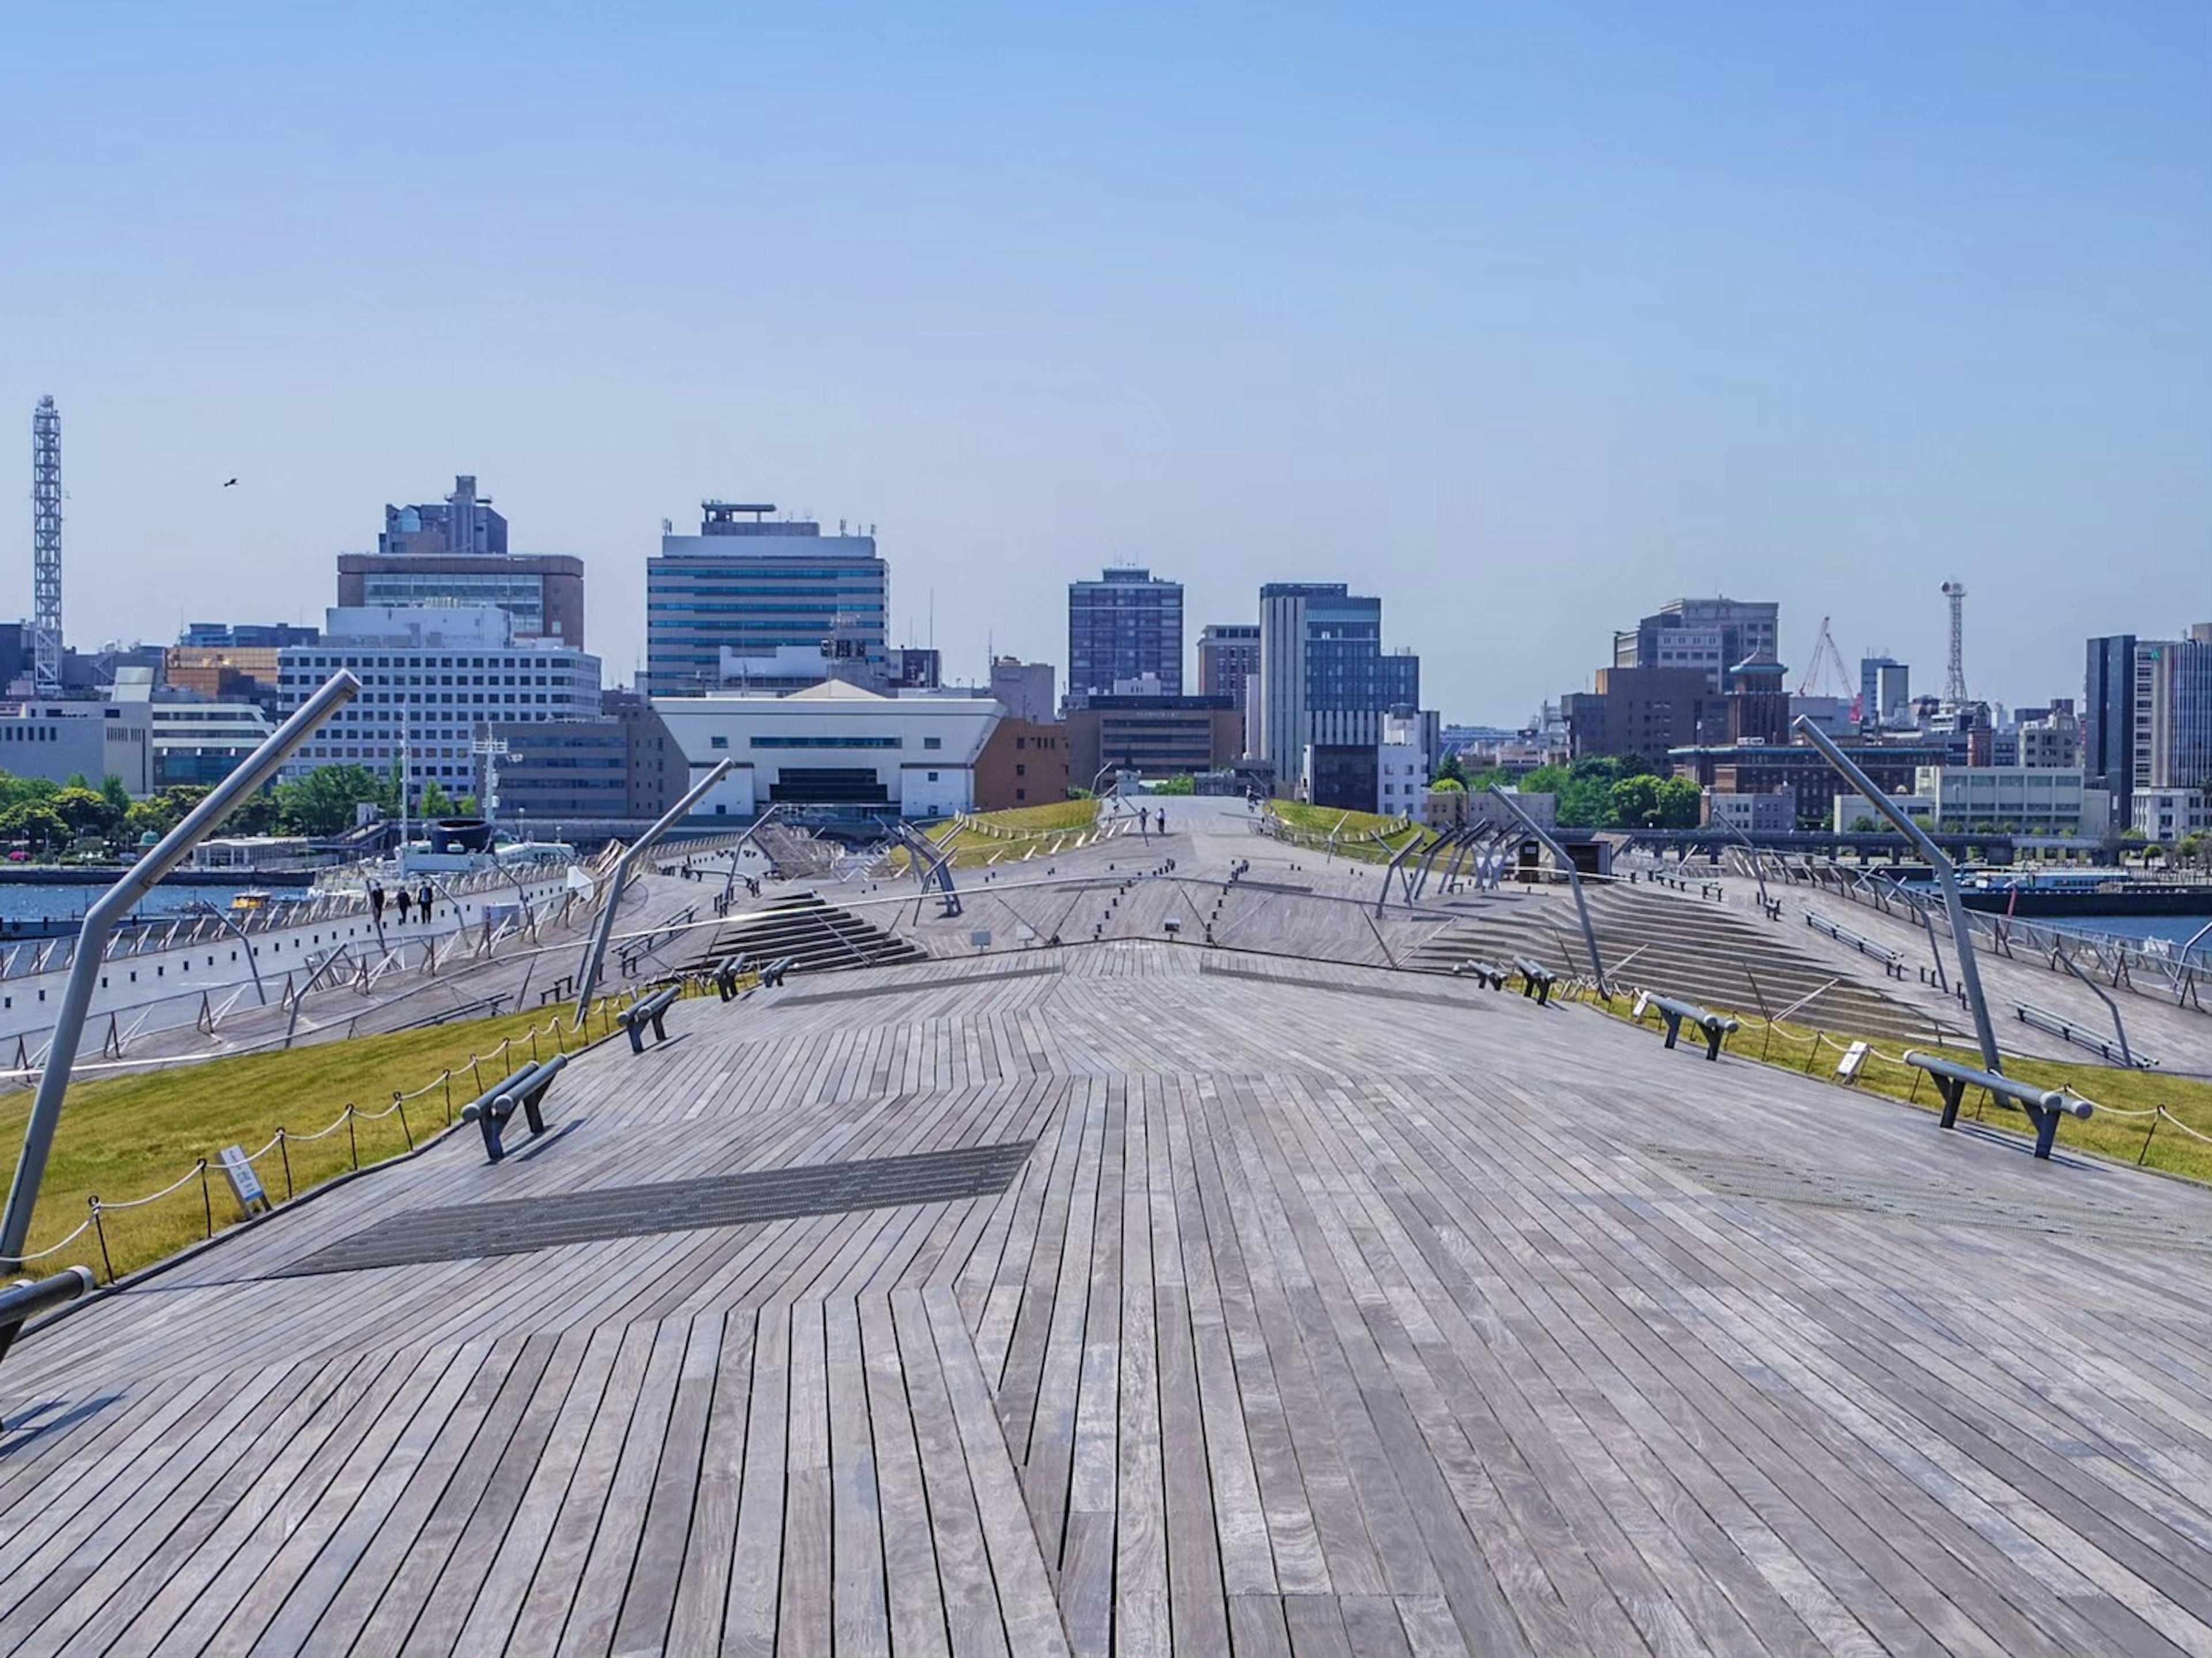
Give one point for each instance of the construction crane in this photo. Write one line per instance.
(1826, 658)
(1954, 685)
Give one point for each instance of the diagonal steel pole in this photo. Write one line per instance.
(588, 976)
(1970, 973)
(99, 921)
(1574, 885)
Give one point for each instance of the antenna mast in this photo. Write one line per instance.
(46, 549)
(1954, 686)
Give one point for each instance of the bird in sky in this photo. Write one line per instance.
(227, 484)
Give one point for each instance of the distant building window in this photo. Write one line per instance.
(719, 742)
(939, 742)
(932, 777)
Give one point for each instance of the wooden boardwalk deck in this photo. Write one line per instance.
(1333, 1312)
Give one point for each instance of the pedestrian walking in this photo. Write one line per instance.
(404, 900)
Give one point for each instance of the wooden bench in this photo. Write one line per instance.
(650, 1011)
(1488, 972)
(1716, 1027)
(2043, 1105)
(524, 1092)
(1536, 980)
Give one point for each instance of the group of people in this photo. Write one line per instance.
(405, 902)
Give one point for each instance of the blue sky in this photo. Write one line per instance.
(1526, 317)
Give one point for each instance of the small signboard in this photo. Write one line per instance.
(1855, 1057)
(245, 1184)
(981, 938)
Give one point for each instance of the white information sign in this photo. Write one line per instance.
(245, 1184)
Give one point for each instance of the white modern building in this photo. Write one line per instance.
(2032, 799)
(431, 680)
(61, 740)
(836, 746)
(202, 743)
(2168, 815)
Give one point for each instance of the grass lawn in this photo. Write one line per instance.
(125, 1137)
(2142, 1138)
(1004, 835)
(1359, 834)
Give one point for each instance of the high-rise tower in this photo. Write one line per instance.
(46, 549)
(1955, 683)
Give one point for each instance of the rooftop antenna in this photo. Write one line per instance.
(1955, 684)
(46, 549)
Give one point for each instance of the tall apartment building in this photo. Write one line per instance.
(1324, 676)
(1884, 691)
(1125, 625)
(754, 586)
(1228, 656)
(2173, 711)
(432, 680)
(1709, 634)
(2108, 720)
(454, 553)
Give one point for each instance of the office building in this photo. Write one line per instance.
(203, 740)
(2108, 720)
(1156, 736)
(1025, 763)
(1884, 691)
(2026, 799)
(2052, 739)
(56, 741)
(432, 681)
(1125, 624)
(758, 587)
(2170, 815)
(1767, 768)
(1644, 712)
(836, 749)
(454, 553)
(1025, 690)
(2173, 711)
(1228, 657)
(247, 635)
(1709, 635)
(1324, 676)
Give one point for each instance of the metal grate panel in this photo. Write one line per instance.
(515, 1225)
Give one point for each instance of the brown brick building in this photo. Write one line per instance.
(1025, 763)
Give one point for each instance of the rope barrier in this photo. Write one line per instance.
(191, 1175)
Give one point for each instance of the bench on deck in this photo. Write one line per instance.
(1891, 962)
(2058, 1024)
(1536, 979)
(726, 975)
(2043, 1105)
(522, 1091)
(1488, 972)
(1716, 1028)
(649, 1010)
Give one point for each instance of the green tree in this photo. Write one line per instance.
(322, 802)
(1863, 824)
(1451, 771)
(112, 788)
(36, 822)
(161, 812)
(1682, 803)
(1633, 803)
(1182, 783)
(86, 812)
(434, 801)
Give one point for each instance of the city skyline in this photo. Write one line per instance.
(1821, 311)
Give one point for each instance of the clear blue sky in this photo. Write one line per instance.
(1527, 318)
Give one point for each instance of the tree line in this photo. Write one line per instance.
(1600, 792)
(48, 817)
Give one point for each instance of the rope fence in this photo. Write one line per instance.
(554, 1036)
(1771, 1030)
